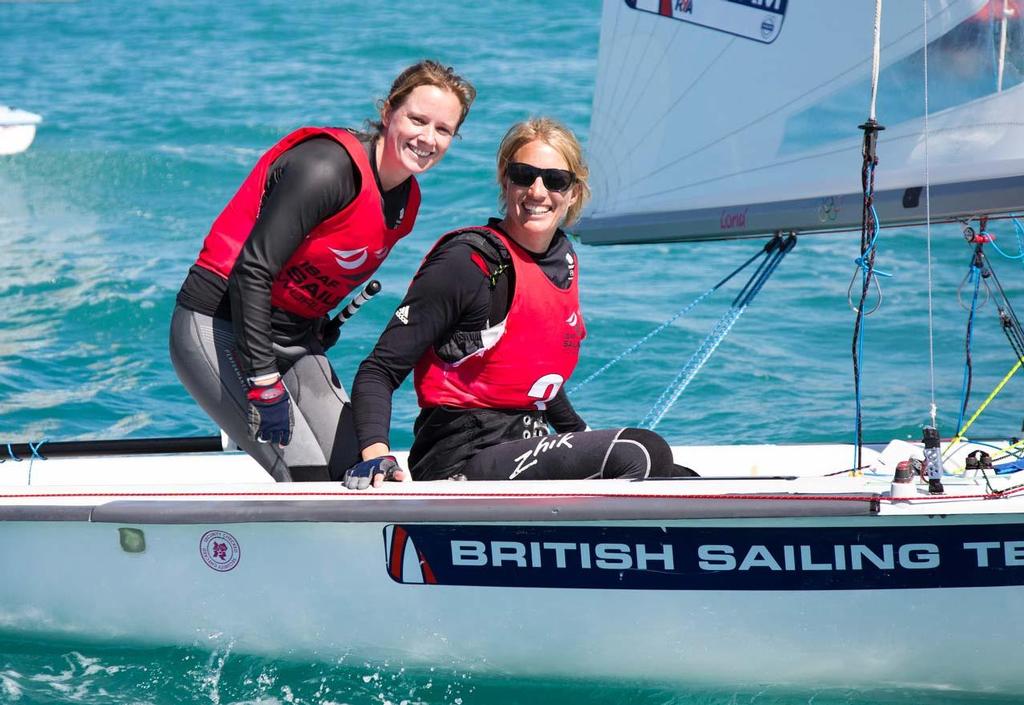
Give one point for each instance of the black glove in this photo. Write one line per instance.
(361, 475)
(270, 414)
(329, 332)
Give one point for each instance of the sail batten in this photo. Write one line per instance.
(719, 133)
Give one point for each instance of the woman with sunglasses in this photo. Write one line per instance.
(314, 219)
(491, 326)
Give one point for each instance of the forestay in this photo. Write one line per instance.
(730, 118)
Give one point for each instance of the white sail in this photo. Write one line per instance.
(731, 118)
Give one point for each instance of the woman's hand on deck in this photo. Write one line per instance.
(374, 471)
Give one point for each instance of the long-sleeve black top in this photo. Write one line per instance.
(305, 186)
(449, 293)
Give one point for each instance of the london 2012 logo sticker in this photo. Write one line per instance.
(759, 20)
(220, 550)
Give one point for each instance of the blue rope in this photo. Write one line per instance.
(682, 312)
(764, 270)
(1016, 453)
(856, 387)
(1018, 231)
(672, 392)
(33, 449)
(675, 388)
(865, 262)
(861, 261)
(973, 275)
(36, 455)
(635, 346)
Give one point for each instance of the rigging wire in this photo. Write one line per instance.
(933, 408)
(876, 52)
(1002, 46)
(977, 274)
(1007, 316)
(1009, 322)
(868, 233)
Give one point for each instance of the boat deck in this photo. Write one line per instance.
(736, 481)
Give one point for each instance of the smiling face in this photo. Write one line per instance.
(533, 213)
(416, 133)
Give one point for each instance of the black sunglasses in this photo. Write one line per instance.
(558, 180)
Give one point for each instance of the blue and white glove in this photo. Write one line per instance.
(361, 475)
(270, 414)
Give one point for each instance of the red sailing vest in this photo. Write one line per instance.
(531, 360)
(338, 255)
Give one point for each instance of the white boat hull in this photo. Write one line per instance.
(478, 581)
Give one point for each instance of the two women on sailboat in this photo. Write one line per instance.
(314, 219)
(491, 328)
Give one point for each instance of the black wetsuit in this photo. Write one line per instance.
(451, 293)
(223, 331)
(305, 186)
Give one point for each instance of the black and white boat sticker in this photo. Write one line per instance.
(760, 20)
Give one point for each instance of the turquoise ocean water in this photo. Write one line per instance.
(155, 111)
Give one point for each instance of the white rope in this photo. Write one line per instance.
(933, 409)
(1002, 46)
(876, 52)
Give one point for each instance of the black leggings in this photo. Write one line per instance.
(632, 453)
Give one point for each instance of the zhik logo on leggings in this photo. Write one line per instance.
(528, 459)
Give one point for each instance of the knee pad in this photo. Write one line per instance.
(662, 462)
(657, 449)
(638, 453)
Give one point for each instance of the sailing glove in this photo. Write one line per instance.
(361, 475)
(270, 414)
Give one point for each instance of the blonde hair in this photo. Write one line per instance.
(425, 73)
(557, 136)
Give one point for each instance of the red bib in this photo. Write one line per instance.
(531, 360)
(336, 256)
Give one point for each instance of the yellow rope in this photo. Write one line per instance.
(1007, 449)
(999, 387)
(1004, 452)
